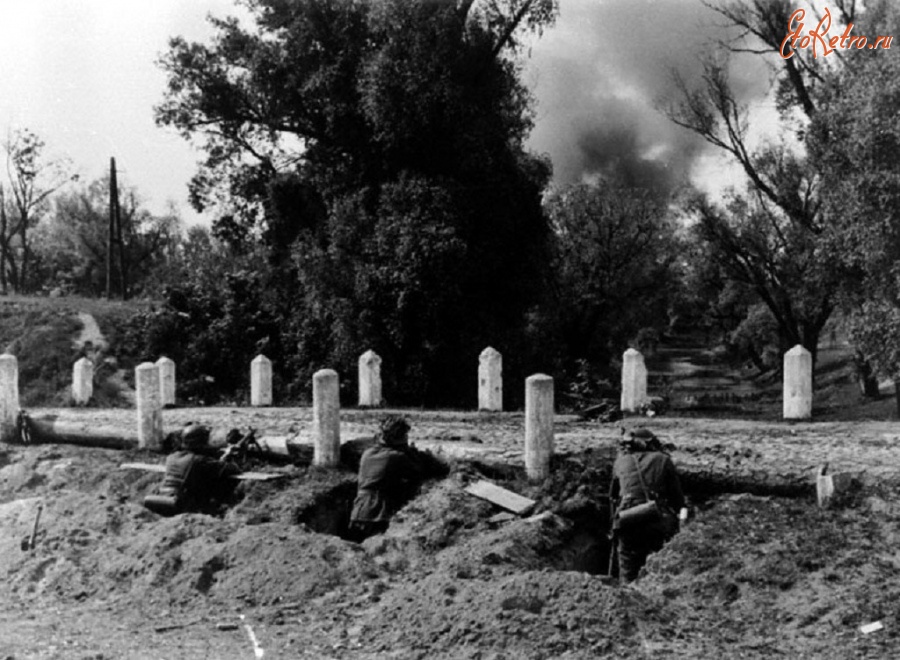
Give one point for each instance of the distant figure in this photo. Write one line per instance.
(389, 475)
(643, 471)
(193, 481)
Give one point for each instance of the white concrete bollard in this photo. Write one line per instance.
(369, 379)
(149, 406)
(797, 395)
(261, 381)
(166, 381)
(490, 380)
(830, 485)
(9, 396)
(82, 381)
(326, 418)
(538, 425)
(634, 381)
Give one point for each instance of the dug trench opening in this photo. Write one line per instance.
(329, 511)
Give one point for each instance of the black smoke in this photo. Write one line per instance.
(600, 77)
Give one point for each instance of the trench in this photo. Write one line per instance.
(584, 545)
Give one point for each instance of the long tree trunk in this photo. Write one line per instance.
(23, 270)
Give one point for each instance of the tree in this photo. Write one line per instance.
(33, 178)
(70, 244)
(340, 134)
(855, 144)
(614, 269)
(772, 239)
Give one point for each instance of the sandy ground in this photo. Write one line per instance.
(759, 572)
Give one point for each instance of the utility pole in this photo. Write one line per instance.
(115, 241)
(111, 234)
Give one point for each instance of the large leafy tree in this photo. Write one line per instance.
(615, 269)
(772, 238)
(855, 144)
(377, 150)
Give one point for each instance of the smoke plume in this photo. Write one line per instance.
(600, 76)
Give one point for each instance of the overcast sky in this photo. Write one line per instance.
(82, 74)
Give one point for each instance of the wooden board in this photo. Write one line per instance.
(243, 476)
(500, 496)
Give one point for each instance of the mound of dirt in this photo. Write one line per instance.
(753, 575)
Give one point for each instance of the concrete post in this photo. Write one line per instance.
(166, 381)
(9, 396)
(634, 381)
(538, 425)
(490, 380)
(326, 419)
(149, 406)
(82, 381)
(369, 379)
(261, 381)
(797, 397)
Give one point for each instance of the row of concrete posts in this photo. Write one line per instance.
(539, 410)
(490, 380)
(797, 386)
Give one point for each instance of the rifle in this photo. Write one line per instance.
(241, 447)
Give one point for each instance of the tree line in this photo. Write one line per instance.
(366, 169)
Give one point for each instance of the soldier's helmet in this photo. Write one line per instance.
(194, 436)
(393, 430)
(640, 439)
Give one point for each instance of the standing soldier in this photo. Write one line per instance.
(643, 472)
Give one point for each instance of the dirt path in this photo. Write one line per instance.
(90, 333)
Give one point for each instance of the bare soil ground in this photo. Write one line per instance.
(759, 572)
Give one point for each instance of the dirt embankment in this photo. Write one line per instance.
(754, 574)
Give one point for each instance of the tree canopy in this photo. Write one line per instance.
(377, 150)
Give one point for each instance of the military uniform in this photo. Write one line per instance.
(193, 482)
(660, 479)
(196, 481)
(389, 475)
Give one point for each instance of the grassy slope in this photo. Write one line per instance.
(41, 333)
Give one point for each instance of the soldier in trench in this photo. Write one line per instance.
(643, 471)
(389, 476)
(194, 481)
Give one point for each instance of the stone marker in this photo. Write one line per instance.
(9, 396)
(538, 425)
(326, 418)
(369, 379)
(797, 383)
(149, 406)
(490, 380)
(261, 381)
(82, 381)
(829, 485)
(634, 381)
(166, 381)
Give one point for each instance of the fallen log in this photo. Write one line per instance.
(51, 429)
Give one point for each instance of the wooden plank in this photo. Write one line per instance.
(243, 476)
(500, 496)
(146, 467)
